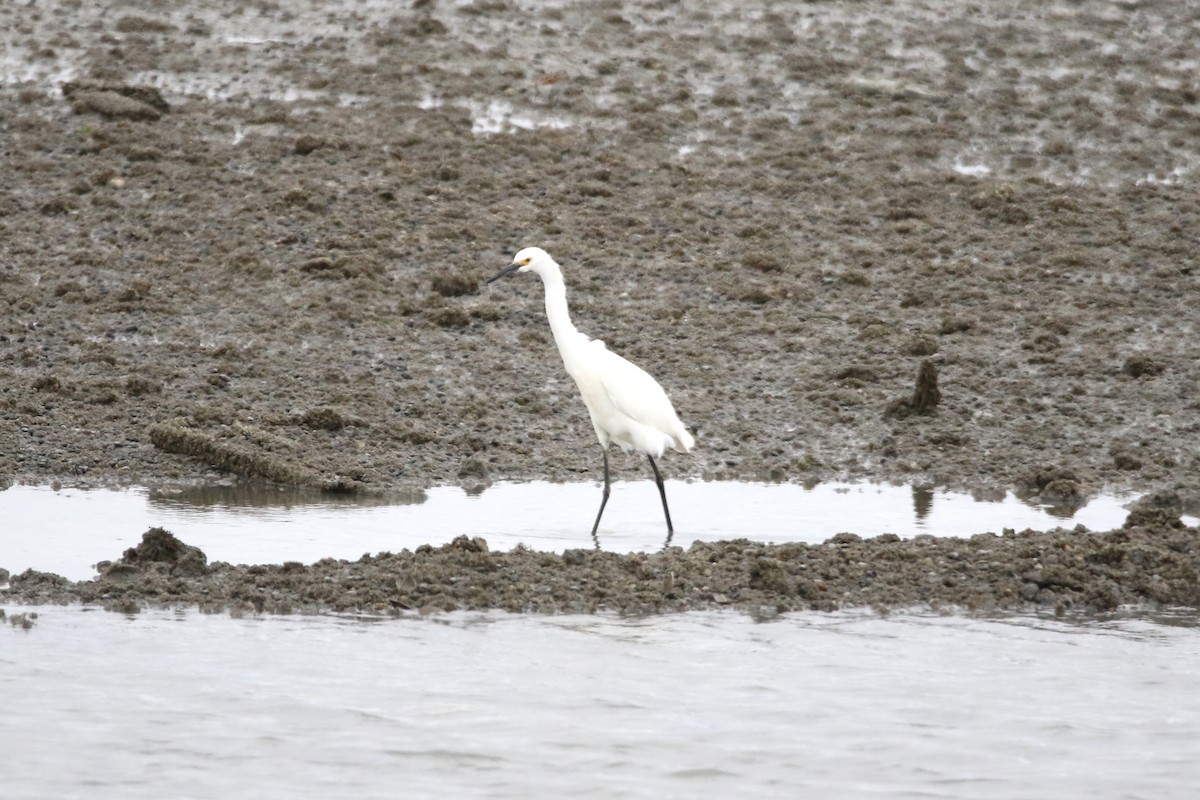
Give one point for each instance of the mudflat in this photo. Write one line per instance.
(249, 244)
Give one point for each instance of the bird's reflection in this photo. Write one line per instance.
(922, 497)
(666, 542)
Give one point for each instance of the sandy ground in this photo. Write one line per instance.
(248, 242)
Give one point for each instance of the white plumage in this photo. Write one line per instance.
(628, 408)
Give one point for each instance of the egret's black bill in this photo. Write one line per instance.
(513, 267)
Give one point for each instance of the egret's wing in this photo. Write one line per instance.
(634, 393)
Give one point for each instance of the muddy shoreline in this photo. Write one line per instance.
(1152, 563)
(249, 244)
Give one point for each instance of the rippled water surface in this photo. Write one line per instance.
(70, 530)
(100, 705)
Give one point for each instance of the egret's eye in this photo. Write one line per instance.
(524, 262)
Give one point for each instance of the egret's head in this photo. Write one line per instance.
(533, 259)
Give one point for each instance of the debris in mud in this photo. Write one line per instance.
(131, 23)
(856, 375)
(454, 284)
(1125, 457)
(921, 346)
(138, 386)
(1057, 486)
(241, 460)
(58, 205)
(925, 396)
(1002, 203)
(955, 324)
(763, 261)
(50, 383)
(172, 438)
(474, 468)
(450, 317)
(1138, 366)
(306, 145)
(342, 268)
(115, 101)
(325, 419)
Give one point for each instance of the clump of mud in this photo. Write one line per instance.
(1152, 562)
(158, 551)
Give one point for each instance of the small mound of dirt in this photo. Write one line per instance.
(159, 550)
(1138, 366)
(1161, 509)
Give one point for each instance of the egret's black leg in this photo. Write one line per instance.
(662, 492)
(603, 501)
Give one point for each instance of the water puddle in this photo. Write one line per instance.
(68, 531)
(975, 170)
(501, 117)
(498, 116)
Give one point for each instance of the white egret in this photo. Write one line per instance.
(626, 405)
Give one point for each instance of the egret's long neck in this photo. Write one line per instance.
(556, 309)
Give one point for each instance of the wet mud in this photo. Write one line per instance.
(1151, 563)
(249, 244)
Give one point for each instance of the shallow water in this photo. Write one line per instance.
(68, 531)
(714, 704)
